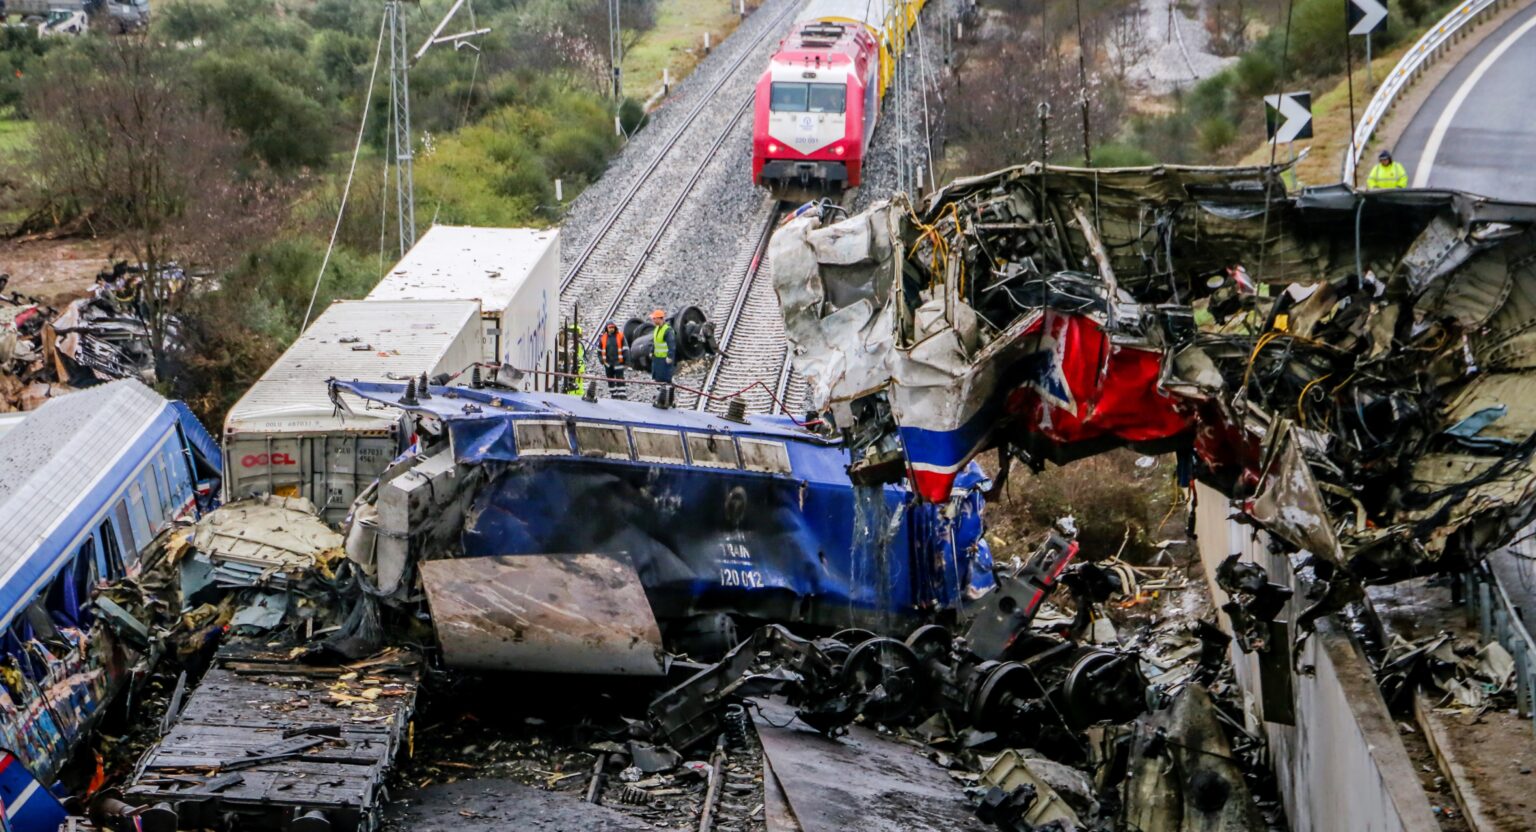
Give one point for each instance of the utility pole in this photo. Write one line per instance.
(400, 127)
(400, 63)
(615, 49)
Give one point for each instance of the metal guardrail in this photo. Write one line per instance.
(1498, 618)
(1424, 53)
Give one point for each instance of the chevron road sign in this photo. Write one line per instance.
(1288, 116)
(1366, 17)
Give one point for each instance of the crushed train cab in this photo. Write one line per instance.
(714, 520)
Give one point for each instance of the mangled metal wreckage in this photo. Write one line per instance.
(556, 534)
(1351, 366)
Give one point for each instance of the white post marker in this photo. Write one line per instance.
(559, 191)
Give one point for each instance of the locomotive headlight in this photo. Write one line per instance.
(838, 149)
(773, 148)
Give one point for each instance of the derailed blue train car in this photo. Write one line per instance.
(87, 483)
(754, 519)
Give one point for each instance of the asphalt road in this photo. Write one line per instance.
(1477, 130)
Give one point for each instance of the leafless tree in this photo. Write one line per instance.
(123, 148)
(1126, 41)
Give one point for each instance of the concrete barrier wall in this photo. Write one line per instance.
(1342, 765)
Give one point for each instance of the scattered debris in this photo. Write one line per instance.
(307, 741)
(1468, 676)
(860, 781)
(45, 351)
(1336, 362)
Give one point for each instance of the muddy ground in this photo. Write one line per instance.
(56, 271)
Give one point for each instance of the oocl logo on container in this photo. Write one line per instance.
(253, 460)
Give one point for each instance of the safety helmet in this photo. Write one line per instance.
(658, 314)
(1384, 155)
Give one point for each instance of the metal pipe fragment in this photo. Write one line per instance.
(716, 771)
(595, 786)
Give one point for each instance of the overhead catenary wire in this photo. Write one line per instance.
(346, 191)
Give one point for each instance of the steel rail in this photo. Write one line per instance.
(773, 212)
(781, 390)
(705, 99)
(671, 213)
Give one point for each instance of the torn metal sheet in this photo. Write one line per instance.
(862, 781)
(1183, 776)
(544, 613)
(1333, 361)
(1011, 769)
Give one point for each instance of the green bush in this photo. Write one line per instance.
(342, 58)
(1216, 133)
(576, 153)
(1210, 97)
(282, 125)
(20, 50)
(1317, 37)
(1257, 73)
(1121, 155)
(188, 20)
(632, 116)
(275, 281)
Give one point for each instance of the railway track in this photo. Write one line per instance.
(619, 252)
(752, 321)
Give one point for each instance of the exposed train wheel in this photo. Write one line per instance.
(887, 673)
(930, 642)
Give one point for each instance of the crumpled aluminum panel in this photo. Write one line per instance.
(544, 613)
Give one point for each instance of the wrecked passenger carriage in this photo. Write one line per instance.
(542, 522)
(1351, 365)
(88, 483)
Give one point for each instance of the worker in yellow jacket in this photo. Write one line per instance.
(1387, 174)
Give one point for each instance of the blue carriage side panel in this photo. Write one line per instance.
(28, 807)
(796, 542)
(85, 485)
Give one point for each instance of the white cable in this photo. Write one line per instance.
(346, 190)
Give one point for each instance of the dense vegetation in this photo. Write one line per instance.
(1278, 46)
(1224, 114)
(222, 138)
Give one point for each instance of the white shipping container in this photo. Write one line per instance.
(285, 437)
(513, 272)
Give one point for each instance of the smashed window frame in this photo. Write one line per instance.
(764, 456)
(713, 450)
(536, 437)
(600, 440)
(648, 446)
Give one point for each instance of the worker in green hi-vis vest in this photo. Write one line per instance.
(663, 350)
(1387, 174)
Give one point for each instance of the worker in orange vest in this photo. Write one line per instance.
(610, 348)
